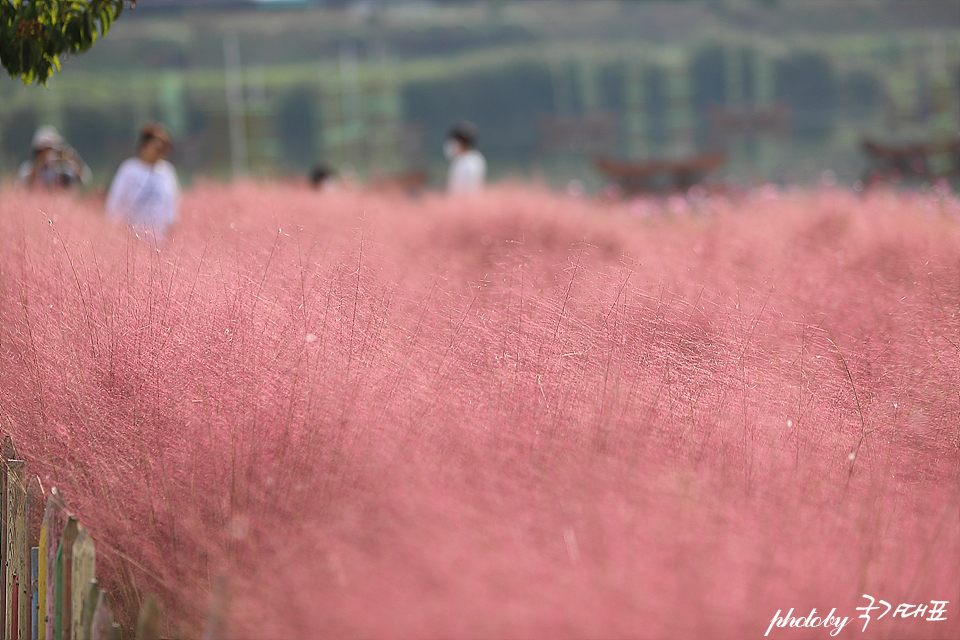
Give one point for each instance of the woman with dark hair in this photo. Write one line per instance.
(145, 193)
(468, 168)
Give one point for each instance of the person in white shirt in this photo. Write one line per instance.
(145, 193)
(468, 168)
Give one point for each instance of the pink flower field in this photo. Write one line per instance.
(515, 416)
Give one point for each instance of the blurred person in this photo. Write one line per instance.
(322, 177)
(468, 168)
(55, 164)
(145, 193)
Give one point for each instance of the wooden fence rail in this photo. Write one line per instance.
(48, 587)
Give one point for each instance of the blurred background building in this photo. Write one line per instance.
(786, 89)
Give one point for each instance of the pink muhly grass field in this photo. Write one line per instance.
(516, 416)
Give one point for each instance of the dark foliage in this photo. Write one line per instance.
(35, 35)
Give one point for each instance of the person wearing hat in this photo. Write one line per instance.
(145, 192)
(468, 168)
(55, 164)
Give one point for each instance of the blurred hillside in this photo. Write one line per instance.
(272, 87)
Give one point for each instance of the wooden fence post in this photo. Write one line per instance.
(102, 620)
(148, 621)
(102, 626)
(18, 576)
(4, 628)
(42, 581)
(83, 573)
(9, 453)
(11, 614)
(54, 518)
(65, 581)
(34, 522)
(90, 597)
(35, 595)
(48, 587)
(58, 593)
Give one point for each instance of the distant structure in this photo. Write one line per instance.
(374, 104)
(592, 133)
(663, 138)
(731, 123)
(659, 176)
(928, 162)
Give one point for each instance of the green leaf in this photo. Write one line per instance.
(68, 26)
(106, 20)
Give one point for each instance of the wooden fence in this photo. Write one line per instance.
(48, 586)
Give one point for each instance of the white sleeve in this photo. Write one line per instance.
(173, 203)
(85, 175)
(24, 172)
(118, 197)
